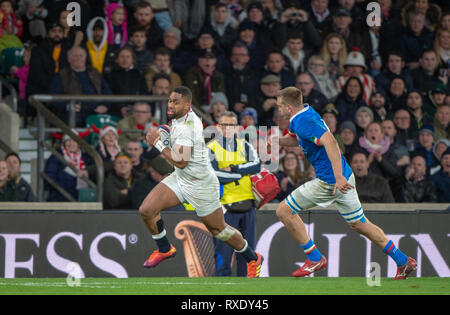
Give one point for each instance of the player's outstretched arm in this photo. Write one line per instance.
(285, 141)
(334, 154)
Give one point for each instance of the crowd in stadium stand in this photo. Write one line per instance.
(382, 90)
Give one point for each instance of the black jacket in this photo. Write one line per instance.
(373, 188)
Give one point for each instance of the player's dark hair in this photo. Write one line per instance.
(291, 95)
(184, 91)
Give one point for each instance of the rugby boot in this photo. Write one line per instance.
(406, 269)
(156, 257)
(309, 267)
(254, 267)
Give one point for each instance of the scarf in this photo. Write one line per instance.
(372, 147)
(74, 158)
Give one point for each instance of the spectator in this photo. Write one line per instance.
(222, 24)
(370, 187)
(79, 79)
(373, 46)
(294, 20)
(342, 20)
(312, 97)
(135, 150)
(397, 94)
(347, 132)
(295, 54)
(155, 172)
(419, 118)
(240, 78)
(358, 17)
(33, 13)
(416, 39)
(275, 64)
(234, 161)
(219, 104)
(22, 74)
(194, 16)
(445, 21)
(350, 99)
(46, 59)
(119, 183)
(256, 48)
(405, 135)
(73, 35)
(23, 188)
(63, 176)
(145, 18)
(320, 15)
(161, 64)
(161, 87)
(237, 11)
(264, 99)
(125, 79)
(381, 156)
(116, 20)
(248, 117)
(203, 79)
(180, 59)
(8, 190)
(395, 67)
(442, 46)
(425, 146)
(435, 98)
(100, 54)
(363, 118)
(266, 27)
(439, 148)
(400, 150)
(427, 76)
(321, 77)
(378, 105)
(354, 67)
(9, 23)
(291, 176)
(442, 178)
(334, 52)
(330, 117)
(442, 122)
(140, 117)
(431, 11)
(207, 43)
(418, 187)
(144, 56)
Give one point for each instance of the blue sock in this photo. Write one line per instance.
(312, 253)
(395, 253)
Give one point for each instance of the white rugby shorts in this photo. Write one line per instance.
(203, 194)
(319, 193)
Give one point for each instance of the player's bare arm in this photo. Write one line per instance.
(285, 141)
(334, 154)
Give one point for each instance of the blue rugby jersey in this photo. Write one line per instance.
(308, 127)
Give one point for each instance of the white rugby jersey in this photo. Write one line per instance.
(188, 131)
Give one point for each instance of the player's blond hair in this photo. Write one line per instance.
(291, 95)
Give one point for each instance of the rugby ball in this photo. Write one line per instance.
(164, 132)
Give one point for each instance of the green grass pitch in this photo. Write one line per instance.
(226, 286)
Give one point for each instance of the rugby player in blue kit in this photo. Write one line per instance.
(334, 183)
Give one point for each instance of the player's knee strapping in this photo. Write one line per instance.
(225, 234)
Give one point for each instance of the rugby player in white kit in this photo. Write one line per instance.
(193, 181)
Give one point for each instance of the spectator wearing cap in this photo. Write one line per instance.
(161, 64)
(396, 94)
(439, 148)
(47, 58)
(156, 170)
(204, 79)
(321, 77)
(395, 66)
(78, 78)
(347, 132)
(256, 48)
(378, 105)
(218, 105)
(435, 98)
(442, 122)
(224, 26)
(330, 117)
(64, 176)
(428, 75)
(119, 183)
(180, 59)
(312, 97)
(416, 39)
(442, 178)
(248, 117)
(264, 100)
(25, 193)
(363, 118)
(414, 104)
(240, 79)
(418, 187)
(371, 187)
(342, 19)
(145, 17)
(100, 55)
(425, 145)
(350, 99)
(355, 66)
(276, 64)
